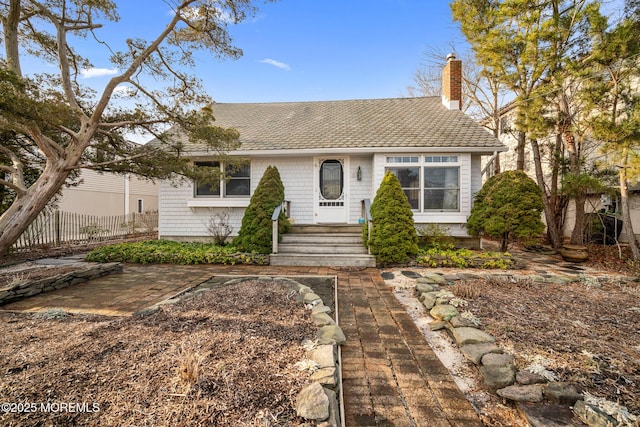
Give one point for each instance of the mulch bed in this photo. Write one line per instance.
(585, 333)
(223, 357)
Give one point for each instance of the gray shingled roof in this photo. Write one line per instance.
(363, 123)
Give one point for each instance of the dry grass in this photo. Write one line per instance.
(584, 334)
(465, 290)
(225, 358)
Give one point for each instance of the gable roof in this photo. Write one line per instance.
(355, 125)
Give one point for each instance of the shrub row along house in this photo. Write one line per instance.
(332, 155)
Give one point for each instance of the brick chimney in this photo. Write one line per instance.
(452, 83)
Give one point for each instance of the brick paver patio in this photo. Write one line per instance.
(391, 376)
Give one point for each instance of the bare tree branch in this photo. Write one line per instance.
(19, 190)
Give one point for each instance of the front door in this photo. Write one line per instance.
(330, 183)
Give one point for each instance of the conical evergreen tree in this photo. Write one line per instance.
(393, 238)
(256, 229)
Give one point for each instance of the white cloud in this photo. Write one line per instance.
(275, 63)
(88, 73)
(123, 90)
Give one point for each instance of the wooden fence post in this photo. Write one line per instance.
(56, 216)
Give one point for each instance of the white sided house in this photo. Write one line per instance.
(332, 155)
(107, 194)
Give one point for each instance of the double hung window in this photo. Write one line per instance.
(236, 184)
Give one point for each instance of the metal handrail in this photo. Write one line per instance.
(286, 206)
(366, 211)
(274, 228)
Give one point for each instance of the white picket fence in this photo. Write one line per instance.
(57, 228)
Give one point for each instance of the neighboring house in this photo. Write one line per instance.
(591, 152)
(109, 194)
(331, 155)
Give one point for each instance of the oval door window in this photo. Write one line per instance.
(331, 179)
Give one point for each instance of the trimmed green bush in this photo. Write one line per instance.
(393, 238)
(438, 257)
(255, 232)
(168, 252)
(508, 205)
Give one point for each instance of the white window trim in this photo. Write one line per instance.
(221, 200)
(421, 164)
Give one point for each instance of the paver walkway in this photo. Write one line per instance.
(391, 376)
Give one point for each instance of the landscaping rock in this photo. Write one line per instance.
(466, 335)
(443, 312)
(460, 322)
(334, 410)
(539, 415)
(494, 359)
(560, 280)
(331, 334)
(592, 415)
(312, 403)
(498, 376)
(525, 377)
(474, 352)
(324, 356)
(432, 278)
(320, 308)
(322, 319)
(311, 298)
(386, 275)
(146, 311)
(436, 325)
(522, 393)
(410, 274)
(428, 300)
(325, 377)
(561, 393)
(424, 287)
(304, 289)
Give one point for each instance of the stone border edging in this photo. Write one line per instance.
(528, 390)
(26, 289)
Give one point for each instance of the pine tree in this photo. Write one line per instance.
(393, 238)
(255, 234)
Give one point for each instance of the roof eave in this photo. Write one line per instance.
(356, 151)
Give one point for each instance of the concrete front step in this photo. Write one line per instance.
(337, 245)
(318, 260)
(316, 238)
(321, 248)
(325, 228)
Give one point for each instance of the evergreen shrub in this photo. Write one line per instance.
(508, 205)
(255, 232)
(393, 239)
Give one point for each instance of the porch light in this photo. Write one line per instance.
(359, 174)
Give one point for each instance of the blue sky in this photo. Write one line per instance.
(300, 50)
(331, 49)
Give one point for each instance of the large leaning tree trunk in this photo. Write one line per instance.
(627, 226)
(29, 202)
(55, 126)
